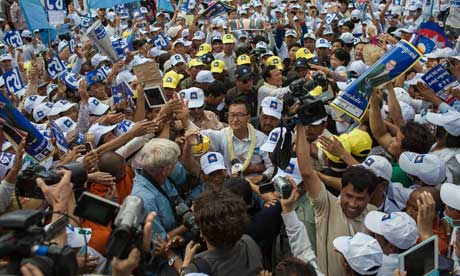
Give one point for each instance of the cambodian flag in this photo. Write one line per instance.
(430, 36)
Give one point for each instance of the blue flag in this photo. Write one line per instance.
(216, 9)
(430, 31)
(37, 19)
(107, 3)
(164, 5)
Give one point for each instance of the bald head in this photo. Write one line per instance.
(113, 163)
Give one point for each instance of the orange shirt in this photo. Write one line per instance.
(443, 239)
(101, 233)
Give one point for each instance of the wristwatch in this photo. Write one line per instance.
(172, 260)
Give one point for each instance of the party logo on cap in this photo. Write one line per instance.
(290, 168)
(369, 161)
(32, 98)
(169, 79)
(419, 159)
(386, 217)
(274, 136)
(216, 64)
(275, 61)
(68, 123)
(273, 105)
(212, 158)
(95, 102)
(6, 158)
(49, 105)
(182, 94)
(193, 96)
(177, 57)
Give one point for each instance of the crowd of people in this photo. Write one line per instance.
(269, 194)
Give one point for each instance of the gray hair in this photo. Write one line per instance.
(157, 154)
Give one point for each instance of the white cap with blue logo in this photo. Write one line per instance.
(272, 106)
(273, 138)
(211, 162)
(292, 170)
(194, 95)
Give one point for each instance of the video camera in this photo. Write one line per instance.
(279, 184)
(26, 184)
(127, 221)
(188, 220)
(24, 240)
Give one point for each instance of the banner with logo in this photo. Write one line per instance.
(13, 81)
(216, 9)
(70, 80)
(13, 38)
(160, 41)
(61, 142)
(56, 11)
(55, 66)
(16, 127)
(354, 100)
(99, 36)
(120, 47)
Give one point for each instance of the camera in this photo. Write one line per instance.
(24, 240)
(127, 228)
(26, 184)
(188, 220)
(282, 186)
(301, 89)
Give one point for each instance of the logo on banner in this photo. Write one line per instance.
(72, 45)
(13, 38)
(100, 32)
(70, 80)
(85, 22)
(120, 47)
(55, 5)
(13, 81)
(55, 66)
(61, 142)
(160, 41)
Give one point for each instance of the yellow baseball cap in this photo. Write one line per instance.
(275, 60)
(228, 38)
(204, 49)
(172, 79)
(243, 59)
(195, 62)
(217, 66)
(304, 53)
(335, 158)
(360, 142)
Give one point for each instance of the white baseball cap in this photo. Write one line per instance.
(125, 75)
(342, 85)
(176, 59)
(398, 228)
(355, 14)
(322, 43)
(41, 111)
(309, 35)
(99, 130)
(211, 162)
(357, 67)
(199, 35)
(272, 106)
(194, 95)
(450, 121)
(65, 124)
(51, 87)
(32, 101)
(60, 106)
(428, 167)
(291, 170)
(97, 59)
(123, 127)
(6, 162)
(450, 195)
(62, 45)
(408, 29)
(291, 32)
(273, 137)
(96, 107)
(26, 33)
(362, 252)
(205, 76)
(379, 165)
(347, 38)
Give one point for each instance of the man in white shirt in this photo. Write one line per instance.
(240, 143)
(272, 86)
(228, 56)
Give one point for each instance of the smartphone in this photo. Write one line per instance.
(422, 259)
(96, 209)
(266, 188)
(88, 147)
(154, 96)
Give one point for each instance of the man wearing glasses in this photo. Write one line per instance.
(240, 143)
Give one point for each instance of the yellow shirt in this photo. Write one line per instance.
(331, 223)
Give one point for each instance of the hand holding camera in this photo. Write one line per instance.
(287, 204)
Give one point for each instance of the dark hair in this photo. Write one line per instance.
(259, 38)
(417, 138)
(240, 187)
(221, 216)
(342, 55)
(138, 43)
(339, 41)
(294, 44)
(292, 266)
(360, 178)
(241, 100)
(215, 89)
(266, 71)
(242, 48)
(451, 140)
(349, 24)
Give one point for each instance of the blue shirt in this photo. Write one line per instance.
(155, 201)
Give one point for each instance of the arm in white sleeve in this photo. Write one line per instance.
(134, 145)
(269, 168)
(271, 41)
(298, 240)
(6, 191)
(76, 66)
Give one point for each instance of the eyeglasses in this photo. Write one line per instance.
(237, 115)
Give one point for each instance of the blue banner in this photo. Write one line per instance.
(95, 76)
(13, 81)
(431, 31)
(16, 127)
(55, 5)
(354, 100)
(72, 45)
(85, 22)
(107, 3)
(164, 5)
(440, 80)
(216, 9)
(13, 38)
(120, 47)
(61, 142)
(160, 41)
(55, 66)
(70, 80)
(35, 15)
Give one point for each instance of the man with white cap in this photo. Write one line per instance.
(97, 107)
(425, 169)
(362, 254)
(388, 196)
(395, 232)
(213, 170)
(102, 134)
(201, 118)
(269, 116)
